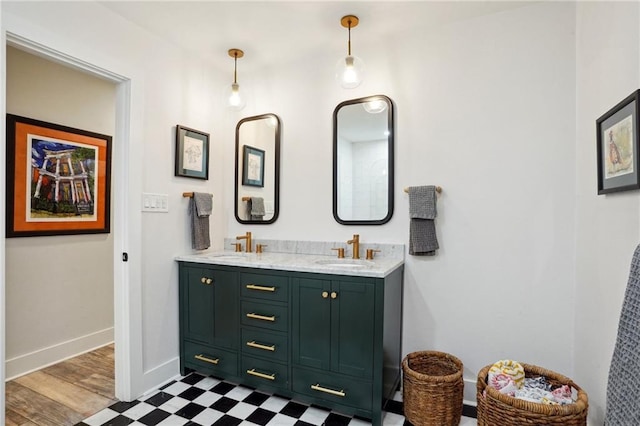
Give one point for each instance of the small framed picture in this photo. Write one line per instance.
(58, 179)
(618, 147)
(252, 166)
(192, 153)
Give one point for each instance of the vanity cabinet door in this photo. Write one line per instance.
(333, 325)
(352, 328)
(311, 322)
(209, 300)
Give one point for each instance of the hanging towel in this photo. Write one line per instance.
(623, 386)
(422, 228)
(200, 208)
(257, 208)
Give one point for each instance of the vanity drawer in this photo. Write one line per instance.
(264, 344)
(263, 286)
(262, 373)
(210, 360)
(272, 317)
(333, 387)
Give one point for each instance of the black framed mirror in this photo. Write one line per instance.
(363, 161)
(257, 169)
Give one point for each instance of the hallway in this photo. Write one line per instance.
(64, 393)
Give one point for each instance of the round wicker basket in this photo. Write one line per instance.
(432, 388)
(495, 408)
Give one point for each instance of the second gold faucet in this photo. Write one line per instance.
(356, 245)
(247, 237)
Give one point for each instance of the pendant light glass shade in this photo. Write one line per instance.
(375, 107)
(235, 100)
(350, 69)
(350, 72)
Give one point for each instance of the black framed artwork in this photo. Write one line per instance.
(252, 166)
(58, 179)
(618, 146)
(192, 153)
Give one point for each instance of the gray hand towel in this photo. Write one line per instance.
(422, 202)
(422, 229)
(200, 208)
(623, 386)
(257, 208)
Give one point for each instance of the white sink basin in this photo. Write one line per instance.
(228, 256)
(345, 263)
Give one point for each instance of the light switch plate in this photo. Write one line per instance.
(158, 203)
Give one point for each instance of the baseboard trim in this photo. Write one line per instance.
(160, 375)
(36, 360)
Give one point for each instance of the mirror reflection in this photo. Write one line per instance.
(257, 169)
(363, 161)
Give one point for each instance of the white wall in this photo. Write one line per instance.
(485, 109)
(59, 289)
(167, 87)
(607, 226)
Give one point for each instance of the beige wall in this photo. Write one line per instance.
(59, 289)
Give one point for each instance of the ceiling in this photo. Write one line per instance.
(271, 32)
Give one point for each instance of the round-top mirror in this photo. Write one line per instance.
(257, 169)
(363, 161)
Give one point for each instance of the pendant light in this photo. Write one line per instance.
(375, 106)
(349, 70)
(235, 101)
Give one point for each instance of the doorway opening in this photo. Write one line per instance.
(126, 237)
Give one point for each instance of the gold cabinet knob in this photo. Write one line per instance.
(325, 294)
(209, 281)
(334, 295)
(203, 280)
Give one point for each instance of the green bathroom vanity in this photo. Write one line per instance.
(314, 328)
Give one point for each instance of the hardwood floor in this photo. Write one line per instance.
(64, 393)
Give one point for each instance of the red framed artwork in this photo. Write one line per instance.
(58, 179)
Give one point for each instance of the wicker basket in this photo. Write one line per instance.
(495, 408)
(432, 388)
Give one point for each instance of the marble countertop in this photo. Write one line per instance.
(379, 267)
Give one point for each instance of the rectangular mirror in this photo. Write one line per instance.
(363, 161)
(257, 169)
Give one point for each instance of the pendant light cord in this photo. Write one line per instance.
(349, 42)
(235, 67)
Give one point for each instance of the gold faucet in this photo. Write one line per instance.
(370, 254)
(340, 251)
(356, 245)
(247, 237)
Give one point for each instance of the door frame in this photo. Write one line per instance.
(126, 183)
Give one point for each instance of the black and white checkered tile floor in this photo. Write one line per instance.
(196, 400)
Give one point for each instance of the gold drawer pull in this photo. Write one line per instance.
(253, 372)
(261, 317)
(205, 359)
(259, 287)
(253, 344)
(317, 387)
